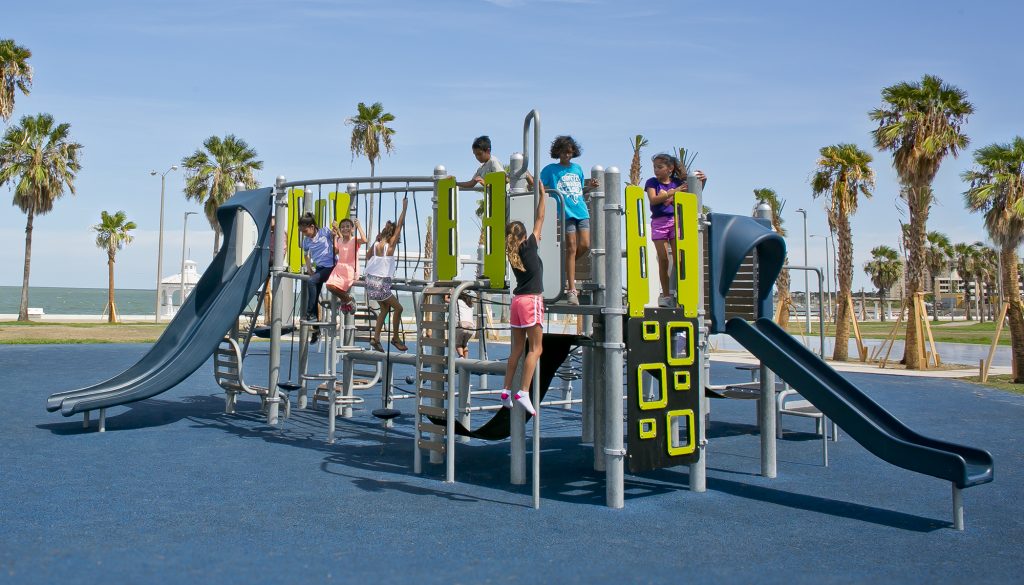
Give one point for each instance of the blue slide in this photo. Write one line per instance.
(862, 418)
(206, 316)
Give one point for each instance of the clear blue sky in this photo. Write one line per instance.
(755, 87)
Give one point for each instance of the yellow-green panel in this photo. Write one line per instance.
(320, 213)
(447, 248)
(687, 258)
(294, 252)
(651, 430)
(342, 204)
(495, 198)
(637, 288)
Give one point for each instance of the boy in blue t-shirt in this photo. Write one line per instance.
(567, 177)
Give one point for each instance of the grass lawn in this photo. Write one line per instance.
(33, 332)
(1001, 382)
(943, 331)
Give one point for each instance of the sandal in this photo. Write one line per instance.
(399, 345)
(375, 344)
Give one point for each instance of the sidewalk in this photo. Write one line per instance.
(743, 357)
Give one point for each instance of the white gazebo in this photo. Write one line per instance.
(170, 289)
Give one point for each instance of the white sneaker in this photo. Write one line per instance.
(573, 297)
(524, 399)
(506, 399)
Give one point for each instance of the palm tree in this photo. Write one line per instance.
(937, 255)
(885, 270)
(15, 74)
(369, 130)
(113, 233)
(38, 157)
(997, 191)
(844, 173)
(920, 123)
(965, 256)
(770, 197)
(211, 174)
(637, 143)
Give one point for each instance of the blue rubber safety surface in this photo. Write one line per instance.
(177, 491)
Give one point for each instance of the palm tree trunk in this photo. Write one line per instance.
(112, 311)
(1015, 310)
(23, 308)
(882, 308)
(782, 286)
(935, 299)
(842, 348)
(915, 272)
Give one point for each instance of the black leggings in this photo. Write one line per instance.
(313, 287)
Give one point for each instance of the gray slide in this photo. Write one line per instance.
(206, 316)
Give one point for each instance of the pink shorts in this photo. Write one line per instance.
(663, 228)
(527, 311)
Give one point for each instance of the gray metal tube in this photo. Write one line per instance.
(614, 348)
(280, 226)
(346, 180)
(596, 398)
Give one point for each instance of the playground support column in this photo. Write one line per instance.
(597, 396)
(597, 243)
(698, 470)
(280, 222)
(767, 402)
(614, 348)
(958, 508)
(307, 207)
(440, 172)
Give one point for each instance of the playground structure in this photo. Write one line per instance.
(726, 269)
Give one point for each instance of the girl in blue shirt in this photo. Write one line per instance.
(567, 177)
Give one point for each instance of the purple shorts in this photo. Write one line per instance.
(663, 228)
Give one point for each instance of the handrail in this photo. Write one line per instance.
(821, 300)
(347, 180)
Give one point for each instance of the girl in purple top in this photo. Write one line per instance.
(668, 179)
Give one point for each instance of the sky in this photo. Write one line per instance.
(755, 88)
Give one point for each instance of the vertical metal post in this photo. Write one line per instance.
(596, 399)
(807, 286)
(767, 410)
(614, 348)
(958, 508)
(184, 239)
(277, 298)
(698, 470)
(103, 420)
(589, 382)
(440, 172)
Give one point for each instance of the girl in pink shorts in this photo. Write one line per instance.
(669, 178)
(527, 305)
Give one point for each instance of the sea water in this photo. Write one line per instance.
(78, 301)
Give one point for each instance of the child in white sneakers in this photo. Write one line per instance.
(527, 319)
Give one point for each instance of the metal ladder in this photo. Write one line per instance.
(435, 369)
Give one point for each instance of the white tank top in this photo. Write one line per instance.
(379, 265)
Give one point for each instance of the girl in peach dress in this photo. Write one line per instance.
(346, 268)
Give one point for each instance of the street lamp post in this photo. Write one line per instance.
(160, 246)
(184, 235)
(807, 286)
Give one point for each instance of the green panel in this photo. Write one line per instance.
(638, 291)
(687, 259)
(447, 249)
(294, 252)
(342, 205)
(495, 215)
(320, 213)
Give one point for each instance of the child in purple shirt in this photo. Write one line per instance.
(668, 179)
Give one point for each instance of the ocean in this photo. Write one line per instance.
(78, 301)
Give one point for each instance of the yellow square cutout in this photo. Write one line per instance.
(652, 331)
(679, 343)
(648, 428)
(680, 439)
(652, 389)
(681, 380)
